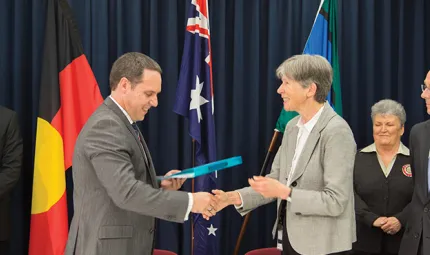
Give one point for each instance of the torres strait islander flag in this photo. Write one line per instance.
(322, 41)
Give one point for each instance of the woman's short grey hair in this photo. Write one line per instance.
(307, 69)
(389, 107)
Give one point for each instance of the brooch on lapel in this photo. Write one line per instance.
(406, 169)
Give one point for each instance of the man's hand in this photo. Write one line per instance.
(174, 183)
(392, 226)
(225, 199)
(269, 188)
(204, 203)
(380, 222)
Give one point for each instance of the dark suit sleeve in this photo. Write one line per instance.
(362, 210)
(11, 161)
(403, 215)
(412, 153)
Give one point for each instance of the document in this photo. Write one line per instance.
(205, 169)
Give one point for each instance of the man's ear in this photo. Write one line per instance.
(123, 84)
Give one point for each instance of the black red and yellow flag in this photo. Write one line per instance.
(69, 94)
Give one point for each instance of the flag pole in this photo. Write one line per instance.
(269, 156)
(193, 162)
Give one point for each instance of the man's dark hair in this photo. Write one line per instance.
(131, 66)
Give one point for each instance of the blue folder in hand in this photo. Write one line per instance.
(205, 169)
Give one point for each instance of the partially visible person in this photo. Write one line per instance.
(312, 170)
(10, 169)
(117, 196)
(416, 239)
(382, 183)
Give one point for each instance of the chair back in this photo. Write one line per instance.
(264, 251)
(163, 252)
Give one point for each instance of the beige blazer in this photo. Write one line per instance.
(320, 218)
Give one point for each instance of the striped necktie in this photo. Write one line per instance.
(138, 134)
(136, 131)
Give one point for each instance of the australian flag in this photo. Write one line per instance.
(195, 101)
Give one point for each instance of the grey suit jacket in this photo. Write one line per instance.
(320, 217)
(116, 194)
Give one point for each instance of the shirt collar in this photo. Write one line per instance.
(402, 149)
(123, 111)
(312, 122)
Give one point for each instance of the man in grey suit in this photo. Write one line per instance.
(312, 173)
(116, 194)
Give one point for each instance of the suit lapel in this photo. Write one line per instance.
(313, 138)
(425, 154)
(142, 146)
(291, 133)
(306, 154)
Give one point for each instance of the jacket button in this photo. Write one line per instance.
(415, 235)
(426, 210)
(151, 230)
(294, 184)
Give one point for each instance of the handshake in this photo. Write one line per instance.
(209, 204)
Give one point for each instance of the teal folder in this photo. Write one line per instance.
(205, 169)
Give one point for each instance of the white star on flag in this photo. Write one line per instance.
(196, 99)
(212, 230)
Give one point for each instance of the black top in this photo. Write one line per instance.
(377, 195)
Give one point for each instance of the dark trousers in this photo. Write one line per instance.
(4, 248)
(368, 253)
(288, 250)
(420, 249)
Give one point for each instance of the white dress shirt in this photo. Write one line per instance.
(190, 196)
(304, 131)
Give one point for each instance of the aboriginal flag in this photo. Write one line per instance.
(68, 96)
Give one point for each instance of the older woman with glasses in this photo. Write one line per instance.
(383, 183)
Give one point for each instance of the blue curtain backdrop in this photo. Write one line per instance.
(384, 53)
